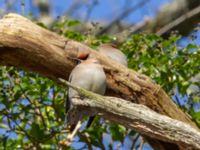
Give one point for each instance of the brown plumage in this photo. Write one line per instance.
(110, 50)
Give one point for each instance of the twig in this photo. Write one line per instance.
(85, 136)
(74, 7)
(90, 9)
(123, 35)
(123, 15)
(141, 143)
(179, 21)
(134, 141)
(71, 136)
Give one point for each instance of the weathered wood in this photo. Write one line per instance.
(137, 117)
(26, 45)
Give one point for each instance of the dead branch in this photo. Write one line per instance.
(123, 15)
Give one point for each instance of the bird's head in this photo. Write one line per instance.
(92, 61)
(83, 55)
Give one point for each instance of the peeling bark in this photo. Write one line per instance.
(137, 117)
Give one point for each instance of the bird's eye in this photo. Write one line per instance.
(78, 61)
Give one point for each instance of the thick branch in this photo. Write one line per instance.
(26, 45)
(189, 19)
(179, 15)
(138, 117)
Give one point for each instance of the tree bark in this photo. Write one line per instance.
(137, 117)
(28, 46)
(187, 10)
(179, 15)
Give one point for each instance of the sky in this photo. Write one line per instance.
(105, 9)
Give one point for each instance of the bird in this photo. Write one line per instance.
(89, 74)
(110, 50)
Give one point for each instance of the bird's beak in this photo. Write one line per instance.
(76, 60)
(79, 61)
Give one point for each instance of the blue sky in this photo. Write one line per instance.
(104, 10)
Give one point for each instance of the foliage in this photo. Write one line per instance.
(31, 106)
(162, 60)
(29, 109)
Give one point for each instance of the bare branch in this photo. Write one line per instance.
(180, 15)
(90, 9)
(181, 22)
(122, 16)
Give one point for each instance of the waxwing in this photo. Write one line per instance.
(89, 75)
(111, 51)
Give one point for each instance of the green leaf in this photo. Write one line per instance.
(71, 23)
(117, 132)
(42, 25)
(36, 131)
(195, 116)
(4, 126)
(191, 46)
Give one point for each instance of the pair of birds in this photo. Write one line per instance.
(90, 75)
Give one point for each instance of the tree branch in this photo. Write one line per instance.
(28, 46)
(180, 15)
(123, 15)
(189, 19)
(137, 117)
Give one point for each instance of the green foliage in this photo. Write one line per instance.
(95, 133)
(170, 66)
(29, 108)
(32, 107)
(65, 27)
(117, 132)
(175, 68)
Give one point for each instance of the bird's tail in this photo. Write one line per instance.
(67, 108)
(90, 121)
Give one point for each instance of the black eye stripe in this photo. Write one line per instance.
(85, 57)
